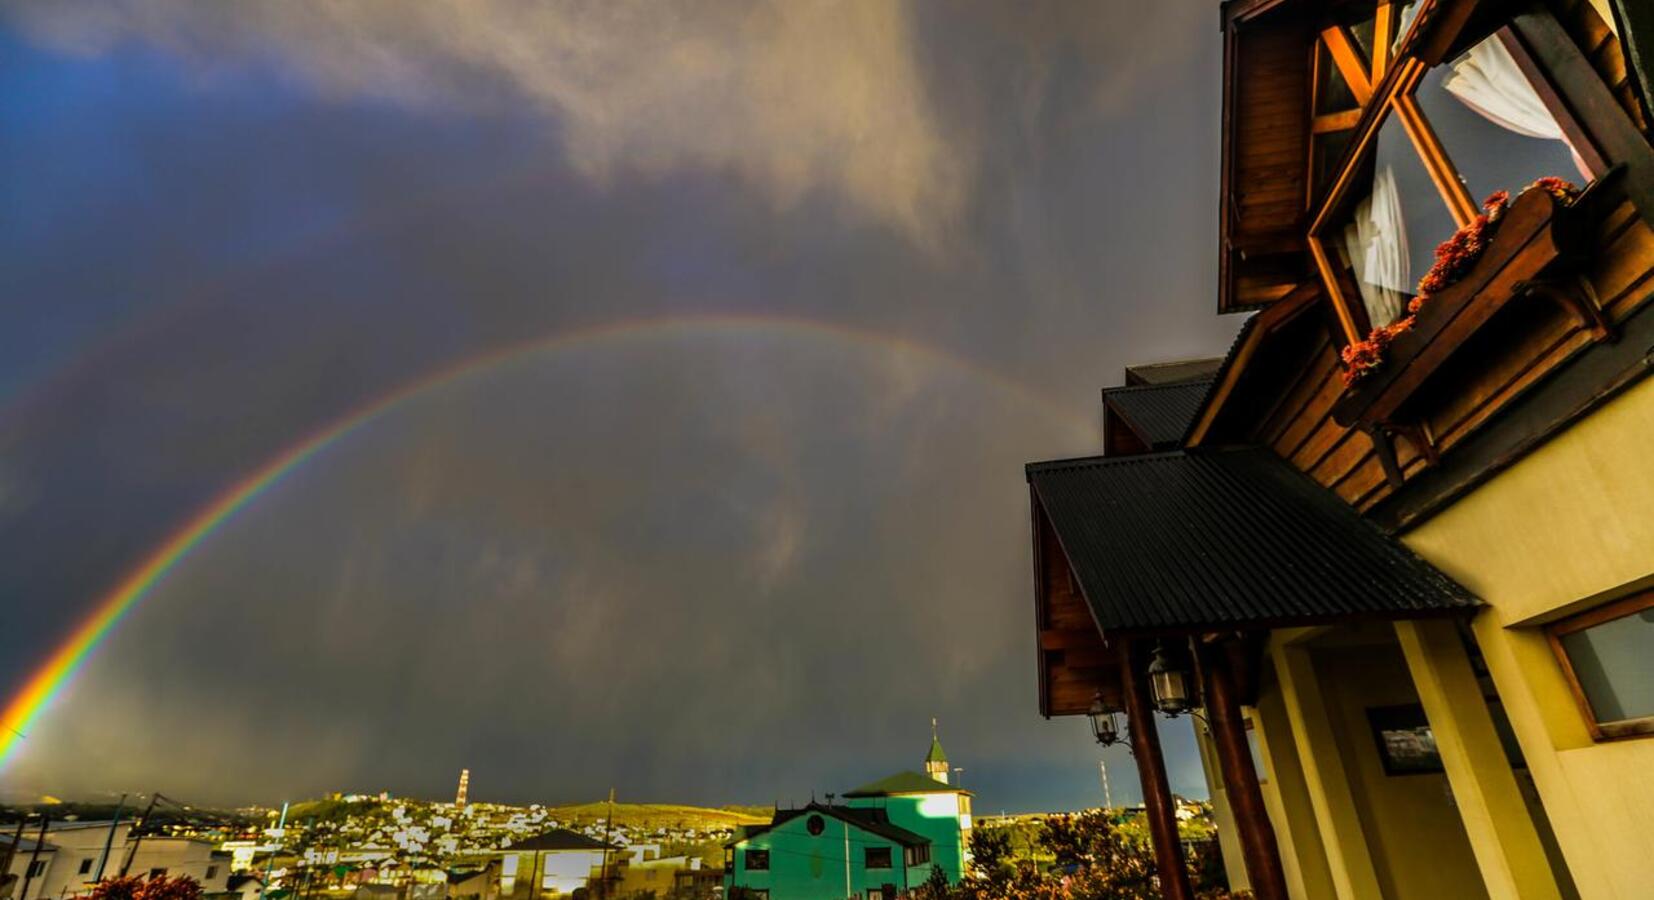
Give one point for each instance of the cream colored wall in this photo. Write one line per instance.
(1303, 856)
(1569, 526)
(1418, 843)
(1234, 863)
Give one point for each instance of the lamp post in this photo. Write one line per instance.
(1170, 685)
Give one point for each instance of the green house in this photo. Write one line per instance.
(827, 852)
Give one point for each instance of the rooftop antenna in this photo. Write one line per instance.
(1108, 798)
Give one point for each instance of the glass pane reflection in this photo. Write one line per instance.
(1494, 125)
(1388, 239)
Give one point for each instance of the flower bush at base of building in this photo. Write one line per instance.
(1455, 257)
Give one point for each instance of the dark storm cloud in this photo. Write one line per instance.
(696, 568)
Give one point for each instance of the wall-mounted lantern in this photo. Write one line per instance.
(1105, 721)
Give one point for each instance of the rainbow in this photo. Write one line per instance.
(52, 677)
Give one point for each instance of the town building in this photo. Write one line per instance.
(75, 854)
(881, 840)
(1397, 550)
(553, 863)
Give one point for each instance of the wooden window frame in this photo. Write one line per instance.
(1622, 729)
(1394, 96)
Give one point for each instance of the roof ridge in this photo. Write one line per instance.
(1138, 388)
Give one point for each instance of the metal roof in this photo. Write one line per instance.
(1206, 540)
(871, 820)
(561, 839)
(1158, 413)
(904, 783)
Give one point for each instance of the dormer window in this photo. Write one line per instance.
(1445, 138)
(1351, 55)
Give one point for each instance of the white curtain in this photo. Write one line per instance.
(1488, 80)
(1375, 244)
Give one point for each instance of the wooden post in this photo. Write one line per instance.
(1151, 768)
(1240, 777)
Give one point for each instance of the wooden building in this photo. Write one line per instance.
(1396, 553)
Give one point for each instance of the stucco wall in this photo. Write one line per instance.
(1568, 527)
(1414, 833)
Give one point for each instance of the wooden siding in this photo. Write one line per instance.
(1266, 150)
(1074, 663)
(1599, 44)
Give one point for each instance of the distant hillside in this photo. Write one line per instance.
(658, 815)
(635, 815)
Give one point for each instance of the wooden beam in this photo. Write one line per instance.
(1348, 61)
(1158, 806)
(1384, 28)
(1635, 21)
(1240, 778)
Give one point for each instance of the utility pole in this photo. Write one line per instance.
(28, 874)
(109, 839)
(16, 841)
(846, 825)
(270, 864)
(138, 834)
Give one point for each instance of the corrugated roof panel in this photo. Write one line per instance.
(1159, 413)
(1232, 538)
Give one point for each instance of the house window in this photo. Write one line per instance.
(878, 857)
(212, 872)
(86, 866)
(917, 856)
(36, 869)
(1605, 655)
(157, 873)
(1444, 139)
(758, 860)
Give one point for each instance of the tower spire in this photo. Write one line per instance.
(936, 761)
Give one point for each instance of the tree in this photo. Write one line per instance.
(181, 887)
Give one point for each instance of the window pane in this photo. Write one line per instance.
(1404, 15)
(1615, 667)
(1362, 33)
(1332, 92)
(1388, 240)
(1493, 124)
(1328, 152)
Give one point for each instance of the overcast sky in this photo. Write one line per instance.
(874, 256)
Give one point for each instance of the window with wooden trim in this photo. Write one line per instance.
(1444, 139)
(1351, 55)
(1605, 655)
(878, 857)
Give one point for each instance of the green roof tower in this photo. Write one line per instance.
(936, 762)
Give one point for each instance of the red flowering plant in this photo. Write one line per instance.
(1455, 257)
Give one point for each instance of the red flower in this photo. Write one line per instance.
(1455, 257)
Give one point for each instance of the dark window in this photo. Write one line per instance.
(758, 860)
(85, 866)
(816, 825)
(878, 857)
(157, 873)
(918, 856)
(212, 872)
(36, 869)
(1604, 653)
